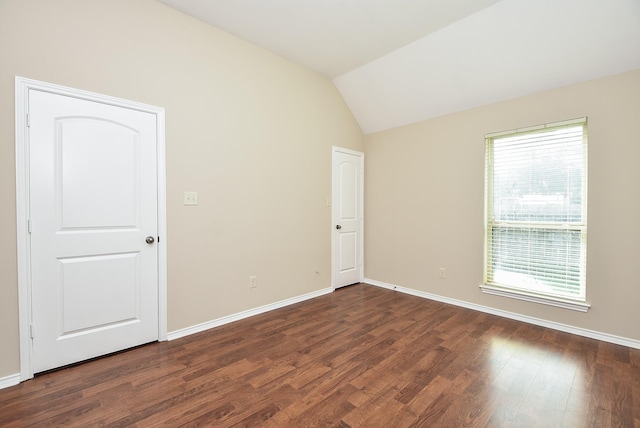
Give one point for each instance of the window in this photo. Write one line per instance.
(536, 206)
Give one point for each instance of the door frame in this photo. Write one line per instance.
(22, 87)
(334, 214)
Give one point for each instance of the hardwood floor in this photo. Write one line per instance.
(359, 357)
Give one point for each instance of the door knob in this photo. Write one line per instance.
(338, 227)
(150, 240)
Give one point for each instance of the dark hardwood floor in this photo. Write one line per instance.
(359, 357)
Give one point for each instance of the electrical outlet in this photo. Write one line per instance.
(442, 273)
(252, 282)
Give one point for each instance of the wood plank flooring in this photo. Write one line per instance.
(360, 357)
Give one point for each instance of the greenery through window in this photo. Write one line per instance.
(536, 205)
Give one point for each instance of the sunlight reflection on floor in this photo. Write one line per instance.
(526, 380)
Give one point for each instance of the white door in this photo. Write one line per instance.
(93, 203)
(347, 215)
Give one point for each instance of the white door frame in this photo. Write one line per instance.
(334, 220)
(22, 87)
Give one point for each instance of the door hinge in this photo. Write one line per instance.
(28, 120)
(29, 225)
(31, 330)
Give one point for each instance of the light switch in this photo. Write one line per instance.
(191, 198)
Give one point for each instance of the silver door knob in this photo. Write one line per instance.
(150, 240)
(338, 227)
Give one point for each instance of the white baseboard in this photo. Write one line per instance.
(605, 337)
(11, 380)
(245, 314)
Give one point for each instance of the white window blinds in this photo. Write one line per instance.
(536, 188)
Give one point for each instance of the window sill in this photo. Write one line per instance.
(530, 297)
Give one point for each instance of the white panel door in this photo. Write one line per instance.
(348, 176)
(93, 203)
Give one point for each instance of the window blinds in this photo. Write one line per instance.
(536, 209)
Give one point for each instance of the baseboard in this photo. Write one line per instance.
(11, 380)
(245, 314)
(605, 337)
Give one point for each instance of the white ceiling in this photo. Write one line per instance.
(397, 62)
(331, 37)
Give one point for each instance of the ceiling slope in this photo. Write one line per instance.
(510, 49)
(331, 37)
(397, 62)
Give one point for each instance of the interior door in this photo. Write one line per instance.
(93, 223)
(347, 214)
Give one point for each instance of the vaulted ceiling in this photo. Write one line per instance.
(397, 62)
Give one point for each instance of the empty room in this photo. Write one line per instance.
(292, 213)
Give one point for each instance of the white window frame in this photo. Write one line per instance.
(518, 292)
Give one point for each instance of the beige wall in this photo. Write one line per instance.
(248, 130)
(424, 201)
